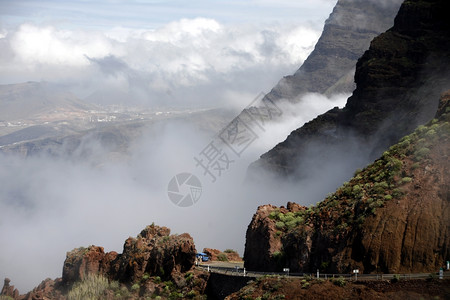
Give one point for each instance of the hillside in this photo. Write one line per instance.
(33, 100)
(399, 80)
(391, 217)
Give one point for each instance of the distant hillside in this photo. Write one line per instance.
(391, 217)
(32, 99)
(399, 80)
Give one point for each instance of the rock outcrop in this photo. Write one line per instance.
(9, 290)
(154, 251)
(153, 256)
(391, 217)
(399, 80)
(217, 255)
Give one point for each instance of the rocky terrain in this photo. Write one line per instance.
(217, 255)
(154, 263)
(398, 83)
(278, 288)
(391, 217)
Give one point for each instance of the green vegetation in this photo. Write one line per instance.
(339, 281)
(386, 179)
(229, 251)
(135, 287)
(222, 257)
(395, 278)
(91, 287)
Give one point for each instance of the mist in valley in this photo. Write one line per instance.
(54, 201)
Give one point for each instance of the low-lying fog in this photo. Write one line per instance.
(51, 205)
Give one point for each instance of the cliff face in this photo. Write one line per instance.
(392, 217)
(399, 80)
(346, 35)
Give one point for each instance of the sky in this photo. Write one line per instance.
(158, 52)
(153, 54)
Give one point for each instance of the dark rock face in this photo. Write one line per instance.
(399, 80)
(346, 35)
(392, 217)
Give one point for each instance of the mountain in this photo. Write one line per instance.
(346, 35)
(33, 100)
(398, 83)
(391, 217)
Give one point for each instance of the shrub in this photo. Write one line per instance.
(114, 285)
(280, 225)
(91, 287)
(277, 255)
(135, 287)
(397, 193)
(339, 281)
(395, 278)
(324, 265)
(229, 251)
(222, 257)
(406, 179)
(175, 295)
(305, 285)
(357, 191)
(273, 215)
(421, 153)
(291, 224)
(388, 197)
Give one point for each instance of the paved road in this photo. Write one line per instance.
(236, 269)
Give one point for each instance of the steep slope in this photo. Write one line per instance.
(346, 35)
(399, 80)
(393, 216)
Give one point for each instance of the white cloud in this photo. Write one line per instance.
(190, 53)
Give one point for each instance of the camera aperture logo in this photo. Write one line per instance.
(229, 144)
(184, 189)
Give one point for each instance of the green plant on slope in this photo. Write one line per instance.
(92, 287)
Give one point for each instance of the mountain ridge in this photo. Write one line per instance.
(391, 217)
(399, 80)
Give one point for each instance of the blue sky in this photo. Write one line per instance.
(151, 13)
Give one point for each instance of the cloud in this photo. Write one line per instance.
(50, 205)
(188, 54)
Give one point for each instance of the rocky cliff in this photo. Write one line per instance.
(391, 217)
(346, 35)
(399, 80)
(154, 263)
